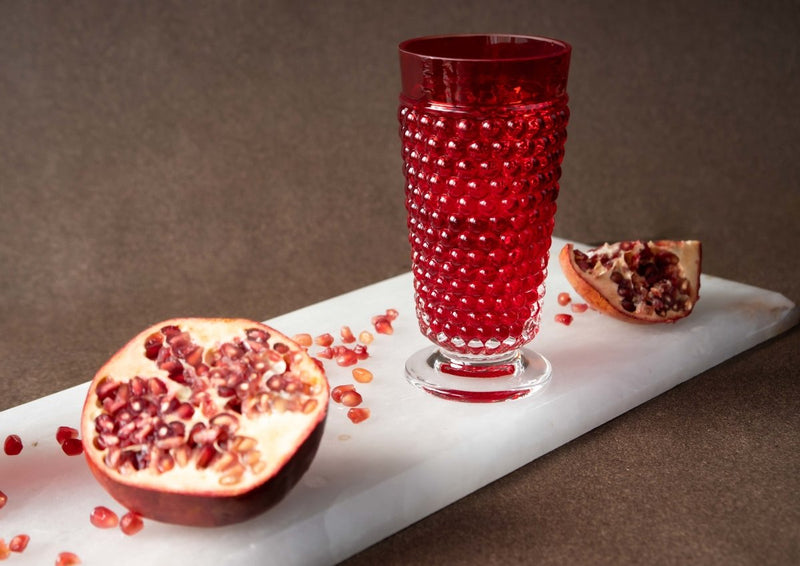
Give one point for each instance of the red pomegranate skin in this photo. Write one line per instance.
(195, 510)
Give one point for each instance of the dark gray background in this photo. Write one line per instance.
(163, 159)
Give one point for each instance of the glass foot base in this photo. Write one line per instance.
(478, 379)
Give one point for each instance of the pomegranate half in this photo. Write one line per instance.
(204, 422)
(637, 281)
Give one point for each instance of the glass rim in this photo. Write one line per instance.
(560, 47)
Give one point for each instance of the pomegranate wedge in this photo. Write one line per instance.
(637, 281)
(204, 421)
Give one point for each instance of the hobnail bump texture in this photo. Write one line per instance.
(481, 188)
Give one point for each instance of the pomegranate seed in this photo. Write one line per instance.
(382, 325)
(564, 299)
(106, 388)
(256, 346)
(156, 386)
(103, 518)
(173, 368)
(357, 415)
(13, 445)
(72, 446)
(347, 358)
(362, 375)
(257, 334)
(309, 406)
(3, 499)
(365, 337)
(5, 551)
(138, 386)
(170, 331)
(303, 339)
(152, 345)
(339, 390)
(67, 559)
(564, 318)
(392, 314)
(326, 353)
(185, 410)
(351, 398)
(194, 357)
(324, 340)
(579, 307)
(19, 543)
(347, 335)
(360, 351)
(65, 432)
(204, 456)
(131, 523)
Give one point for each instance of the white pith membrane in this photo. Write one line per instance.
(612, 267)
(278, 428)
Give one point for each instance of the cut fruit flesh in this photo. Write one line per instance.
(637, 281)
(204, 438)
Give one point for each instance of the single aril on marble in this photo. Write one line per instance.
(637, 281)
(204, 422)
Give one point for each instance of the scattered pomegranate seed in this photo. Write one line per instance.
(347, 358)
(303, 339)
(19, 543)
(365, 337)
(103, 518)
(5, 551)
(65, 432)
(131, 523)
(360, 350)
(564, 299)
(351, 398)
(13, 445)
(67, 559)
(382, 325)
(324, 340)
(72, 446)
(392, 314)
(347, 335)
(564, 318)
(3, 499)
(579, 307)
(326, 353)
(339, 390)
(357, 415)
(362, 375)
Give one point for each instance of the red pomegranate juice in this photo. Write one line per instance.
(482, 162)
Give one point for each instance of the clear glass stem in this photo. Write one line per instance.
(478, 379)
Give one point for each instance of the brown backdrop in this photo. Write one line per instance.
(241, 158)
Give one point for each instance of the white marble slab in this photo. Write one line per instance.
(415, 455)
